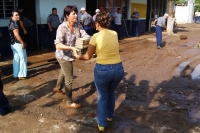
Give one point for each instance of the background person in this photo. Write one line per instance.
(160, 24)
(53, 23)
(135, 17)
(86, 21)
(20, 11)
(66, 36)
(117, 19)
(108, 71)
(30, 33)
(18, 47)
(97, 11)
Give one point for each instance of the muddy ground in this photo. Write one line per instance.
(158, 94)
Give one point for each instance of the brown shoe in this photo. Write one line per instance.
(73, 105)
(58, 91)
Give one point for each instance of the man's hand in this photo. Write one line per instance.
(50, 29)
(25, 32)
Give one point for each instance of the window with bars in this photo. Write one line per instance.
(158, 8)
(6, 7)
(113, 5)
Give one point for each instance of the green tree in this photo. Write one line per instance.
(197, 5)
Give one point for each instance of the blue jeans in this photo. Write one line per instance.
(88, 29)
(19, 61)
(118, 27)
(135, 26)
(159, 35)
(107, 77)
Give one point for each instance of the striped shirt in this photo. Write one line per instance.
(66, 37)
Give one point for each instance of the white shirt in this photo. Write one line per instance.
(117, 18)
(94, 17)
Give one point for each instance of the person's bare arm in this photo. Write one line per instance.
(23, 27)
(49, 25)
(155, 21)
(16, 34)
(82, 22)
(61, 46)
(88, 55)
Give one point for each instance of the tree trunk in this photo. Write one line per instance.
(170, 20)
(170, 25)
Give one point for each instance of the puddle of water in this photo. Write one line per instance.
(196, 73)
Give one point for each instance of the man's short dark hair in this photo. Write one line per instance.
(118, 9)
(54, 9)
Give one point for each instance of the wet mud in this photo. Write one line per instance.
(160, 92)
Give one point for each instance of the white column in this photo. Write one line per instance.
(191, 11)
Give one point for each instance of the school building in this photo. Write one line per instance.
(38, 10)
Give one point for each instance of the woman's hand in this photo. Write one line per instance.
(77, 57)
(75, 51)
(23, 45)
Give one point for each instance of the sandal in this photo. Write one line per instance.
(73, 105)
(101, 128)
(58, 91)
(109, 119)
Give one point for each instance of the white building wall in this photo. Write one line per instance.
(182, 14)
(44, 8)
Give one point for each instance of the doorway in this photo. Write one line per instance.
(29, 11)
(91, 6)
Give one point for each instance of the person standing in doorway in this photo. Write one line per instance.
(30, 33)
(86, 21)
(20, 12)
(117, 19)
(53, 23)
(160, 24)
(18, 47)
(135, 17)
